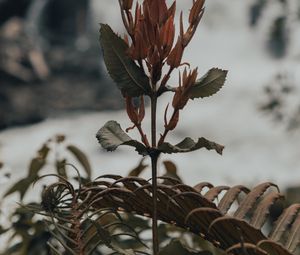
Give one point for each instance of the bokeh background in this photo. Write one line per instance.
(53, 81)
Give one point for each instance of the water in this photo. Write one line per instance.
(256, 149)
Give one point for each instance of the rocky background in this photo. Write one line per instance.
(50, 62)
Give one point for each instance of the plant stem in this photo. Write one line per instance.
(153, 120)
(162, 138)
(154, 158)
(154, 214)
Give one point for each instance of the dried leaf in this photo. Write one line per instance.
(294, 235)
(200, 186)
(111, 136)
(214, 192)
(245, 248)
(251, 199)
(229, 231)
(183, 206)
(203, 217)
(263, 209)
(209, 84)
(272, 247)
(230, 196)
(189, 144)
(130, 78)
(283, 222)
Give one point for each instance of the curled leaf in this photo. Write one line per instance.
(189, 144)
(111, 136)
(209, 84)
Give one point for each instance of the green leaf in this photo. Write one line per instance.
(176, 247)
(82, 158)
(209, 84)
(189, 144)
(171, 171)
(44, 151)
(21, 186)
(35, 166)
(130, 78)
(111, 136)
(3, 230)
(61, 168)
(138, 169)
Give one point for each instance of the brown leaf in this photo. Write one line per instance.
(230, 196)
(283, 222)
(272, 247)
(251, 198)
(263, 209)
(294, 235)
(213, 193)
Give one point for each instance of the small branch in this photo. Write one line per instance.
(153, 120)
(143, 136)
(154, 158)
(155, 240)
(163, 136)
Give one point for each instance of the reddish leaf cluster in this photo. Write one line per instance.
(182, 96)
(152, 42)
(152, 33)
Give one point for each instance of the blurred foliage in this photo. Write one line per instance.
(41, 228)
(28, 233)
(281, 25)
(39, 162)
(281, 101)
(67, 220)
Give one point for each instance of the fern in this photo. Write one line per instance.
(231, 229)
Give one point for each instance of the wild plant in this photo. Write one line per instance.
(141, 64)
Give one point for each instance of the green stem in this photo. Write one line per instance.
(154, 158)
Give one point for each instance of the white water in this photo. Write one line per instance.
(256, 149)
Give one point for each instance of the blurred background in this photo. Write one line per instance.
(53, 81)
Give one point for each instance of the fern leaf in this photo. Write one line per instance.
(230, 196)
(261, 212)
(200, 186)
(294, 235)
(251, 199)
(283, 222)
(272, 247)
(213, 193)
(230, 230)
(245, 248)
